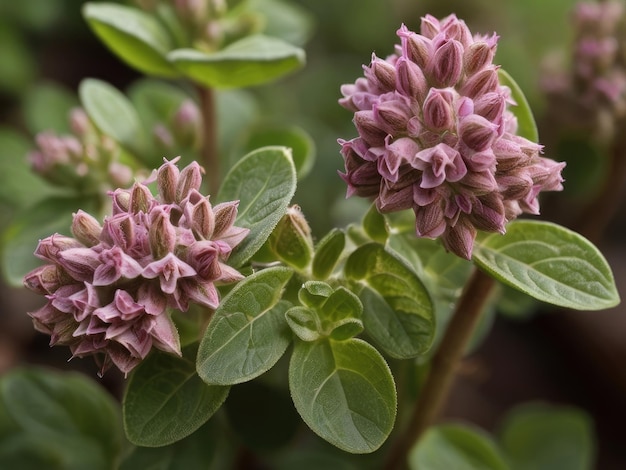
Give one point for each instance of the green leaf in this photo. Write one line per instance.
(375, 225)
(165, 400)
(19, 241)
(541, 437)
(458, 447)
(112, 113)
(550, 263)
(64, 415)
(47, 108)
(344, 392)
(248, 332)
(327, 253)
(397, 309)
(263, 182)
(285, 20)
(253, 60)
(300, 143)
(195, 452)
(304, 322)
(526, 125)
(135, 36)
(17, 63)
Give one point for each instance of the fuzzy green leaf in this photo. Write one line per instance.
(252, 60)
(344, 392)
(59, 418)
(248, 332)
(541, 437)
(135, 36)
(165, 400)
(263, 182)
(397, 309)
(112, 113)
(458, 447)
(327, 253)
(375, 225)
(550, 263)
(57, 102)
(526, 125)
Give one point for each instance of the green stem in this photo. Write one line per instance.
(210, 153)
(444, 364)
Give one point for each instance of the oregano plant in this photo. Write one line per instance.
(195, 274)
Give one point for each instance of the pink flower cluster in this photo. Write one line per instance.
(110, 287)
(435, 136)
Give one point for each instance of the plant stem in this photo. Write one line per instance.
(210, 154)
(443, 367)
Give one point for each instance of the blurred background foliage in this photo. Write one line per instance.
(46, 49)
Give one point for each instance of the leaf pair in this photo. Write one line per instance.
(143, 42)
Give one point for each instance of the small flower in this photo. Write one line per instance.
(108, 290)
(435, 136)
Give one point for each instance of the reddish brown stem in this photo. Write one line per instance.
(443, 367)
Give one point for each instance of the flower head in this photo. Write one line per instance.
(435, 136)
(109, 287)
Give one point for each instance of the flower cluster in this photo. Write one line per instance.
(436, 136)
(109, 287)
(596, 82)
(86, 160)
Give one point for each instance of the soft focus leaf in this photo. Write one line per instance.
(344, 392)
(458, 447)
(135, 36)
(195, 452)
(53, 215)
(550, 263)
(285, 20)
(47, 108)
(237, 111)
(375, 225)
(327, 253)
(397, 309)
(112, 113)
(542, 437)
(17, 65)
(252, 60)
(64, 420)
(165, 400)
(527, 127)
(263, 182)
(248, 332)
(295, 138)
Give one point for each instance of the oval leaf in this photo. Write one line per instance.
(112, 113)
(327, 253)
(252, 60)
(65, 409)
(397, 309)
(459, 447)
(526, 125)
(550, 263)
(135, 36)
(263, 182)
(165, 400)
(543, 437)
(248, 332)
(344, 392)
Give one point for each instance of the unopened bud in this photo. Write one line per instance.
(438, 112)
(410, 79)
(167, 181)
(477, 56)
(86, 229)
(484, 81)
(161, 234)
(447, 64)
(291, 239)
(190, 178)
(45, 279)
(140, 199)
(381, 73)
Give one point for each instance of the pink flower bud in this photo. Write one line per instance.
(168, 270)
(438, 112)
(86, 229)
(477, 132)
(161, 234)
(80, 263)
(369, 128)
(46, 279)
(121, 200)
(381, 74)
(484, 81)
(459, 239)
(49, 248)
(190, 178)
(446, 64)
(198, 216)
(410, 80)
(429, 26)
(141, 199)
(113, 265)
(415, 48)
(167, 180)
(392, 114)
(438, 164)
(79, 122)
(477, 56)
(225, 214)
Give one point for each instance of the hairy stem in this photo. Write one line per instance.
(210, 154)
(443, 367)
